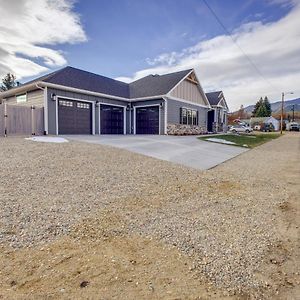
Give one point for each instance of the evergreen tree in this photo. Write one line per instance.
(267, 107)
(258, 104)
(8, 82)
(261, 112)
(262, 108)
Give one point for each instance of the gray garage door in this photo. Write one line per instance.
(112, 119)
(74, 117)
(147, 120)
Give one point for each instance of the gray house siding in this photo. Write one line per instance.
(188, 91)
(34, 98)
(160, 102)
(174, 112)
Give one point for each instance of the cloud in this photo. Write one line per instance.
(29, 28)
(220, 64)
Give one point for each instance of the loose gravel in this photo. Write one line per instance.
(222, 218)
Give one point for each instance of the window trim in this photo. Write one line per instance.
(189, 119)
(23, 94)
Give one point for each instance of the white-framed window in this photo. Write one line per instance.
(188, 116)
(21, 98)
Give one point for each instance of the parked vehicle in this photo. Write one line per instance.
(293, 126)
(267, 127)
(257, 127)
(240, 129)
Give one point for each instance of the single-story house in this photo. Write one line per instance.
(80, 102)
(217, 120)
(265, 120)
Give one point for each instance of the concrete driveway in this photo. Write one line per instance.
(184, 150)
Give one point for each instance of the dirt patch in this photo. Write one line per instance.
(108, 268)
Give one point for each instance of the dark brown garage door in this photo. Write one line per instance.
(74, 117)
(147, 120)
(112, 119)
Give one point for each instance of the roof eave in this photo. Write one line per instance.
(66, 88)
(20, 89)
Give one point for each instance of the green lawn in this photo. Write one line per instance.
(243, 140)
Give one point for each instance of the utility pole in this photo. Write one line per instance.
(293, 109)
(281, 116)
(282, 103)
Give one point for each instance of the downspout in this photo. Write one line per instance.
(166, 115)
(45, 107)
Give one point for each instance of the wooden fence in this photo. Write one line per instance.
(21, 120)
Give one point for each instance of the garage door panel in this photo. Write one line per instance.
(112, 119)
(147, 120)
(74, 117)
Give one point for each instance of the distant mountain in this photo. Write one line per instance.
(276, 106)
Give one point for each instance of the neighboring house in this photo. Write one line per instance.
(217, 120)
(265, 120)
(245, 121)
(80, 102)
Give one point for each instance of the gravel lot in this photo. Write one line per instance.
(230, 221)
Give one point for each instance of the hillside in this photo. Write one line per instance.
(276, 106)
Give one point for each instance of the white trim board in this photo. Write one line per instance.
(199, 87)
(46, 117)
(177, 84)
(187, 101)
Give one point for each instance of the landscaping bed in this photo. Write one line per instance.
(241, 140)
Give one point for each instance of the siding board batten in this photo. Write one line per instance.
(188, 91)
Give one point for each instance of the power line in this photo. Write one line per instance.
(240, 48)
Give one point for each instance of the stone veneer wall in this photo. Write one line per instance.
(179, 129)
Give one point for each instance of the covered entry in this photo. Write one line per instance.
(74, 117)
(147, 120)
(210, 120)
(111, 119)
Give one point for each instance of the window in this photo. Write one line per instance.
(183, 119)
(65, 103)
(83, 105)
(188, 116)
(21, 98)
(195, 117)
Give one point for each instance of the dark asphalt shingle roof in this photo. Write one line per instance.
(84, 80)
(151, 85)
(213, 97)
(155, 85)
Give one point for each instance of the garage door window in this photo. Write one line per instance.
(83, 105)
(65, 103)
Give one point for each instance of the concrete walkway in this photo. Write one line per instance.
(185, 150)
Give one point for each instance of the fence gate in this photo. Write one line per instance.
(21, 120)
